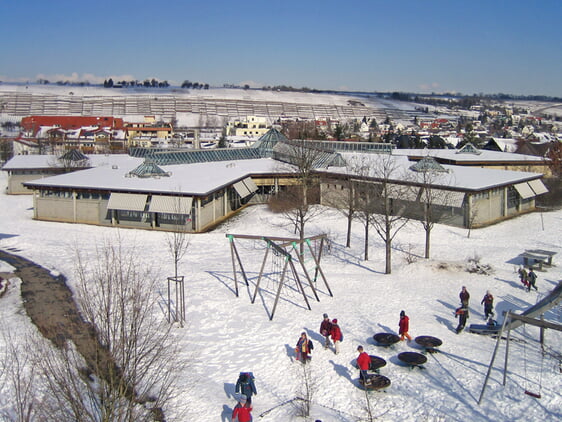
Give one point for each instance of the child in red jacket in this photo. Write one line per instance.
(335, 333)
(404, 325)
(364, 363)
(242, 411)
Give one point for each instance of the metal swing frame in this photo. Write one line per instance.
(508, 322)
(279, 245)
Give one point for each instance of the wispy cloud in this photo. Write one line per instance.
(429, 87)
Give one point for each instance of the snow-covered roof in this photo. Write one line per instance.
(485, 156)
(455, 177)
(506, 144)
(22, 162)
(189, 179)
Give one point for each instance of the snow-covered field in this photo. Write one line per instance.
(226, 334)
(213, 93)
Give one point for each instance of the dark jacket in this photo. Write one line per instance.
(325, 327)
(245, 385)
(462, 313)
(303, 349)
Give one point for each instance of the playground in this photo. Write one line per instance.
(227, 332)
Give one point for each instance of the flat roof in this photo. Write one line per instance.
(46, 161)
(485, 156)
(199, 179)
(456, 177)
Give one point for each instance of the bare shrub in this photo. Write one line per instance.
(306, 390)
(410, 256)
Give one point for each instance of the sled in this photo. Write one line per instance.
(376, 363)
(386, 339)
(375, 382)
(412, 359)
(484, 329)
(429, 343)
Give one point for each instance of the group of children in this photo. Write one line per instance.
(462, 312)
(528, 279)
(246, 387)
(330, 329)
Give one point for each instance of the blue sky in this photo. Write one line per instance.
(417, 46)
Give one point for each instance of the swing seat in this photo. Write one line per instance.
(535, 395)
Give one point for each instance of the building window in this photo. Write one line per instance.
(126, 215)
(174, 219)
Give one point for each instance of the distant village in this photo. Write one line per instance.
(156, 162)
(223, 124)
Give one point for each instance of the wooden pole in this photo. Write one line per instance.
(240, 263)
(287, 258)
(506, 355)
(300, 284)
(301, 261)
(231, 239)
(319, 268)
(493, 358)
(260, 274)
(169, 299)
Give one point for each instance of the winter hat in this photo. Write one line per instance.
(335, 321)
(402, 313)
(242, 398)
(325, 315)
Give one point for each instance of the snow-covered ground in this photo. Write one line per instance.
(213, 93)
(226, 334)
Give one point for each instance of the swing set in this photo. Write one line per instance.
(286, 260)
(510, 321)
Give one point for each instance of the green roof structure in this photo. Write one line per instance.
(148, 169)
(428, 164)
(73, 155)
(267, 146)
(268, 140)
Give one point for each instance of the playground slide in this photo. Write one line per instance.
(540, 307)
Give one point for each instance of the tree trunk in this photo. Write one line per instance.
(427, 237)
(348, 240)
(388, 249)
(301, 235)
(367, 241)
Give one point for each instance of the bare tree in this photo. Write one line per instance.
(178, 243)
(132, 376)
(428, 174)
(362, 197)
(365, 213)
(178, 239)
(555, 156)
(388, 211)
(20, 371)
(472, 215)
(346, 201)
(298, 200)
(307, 387)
